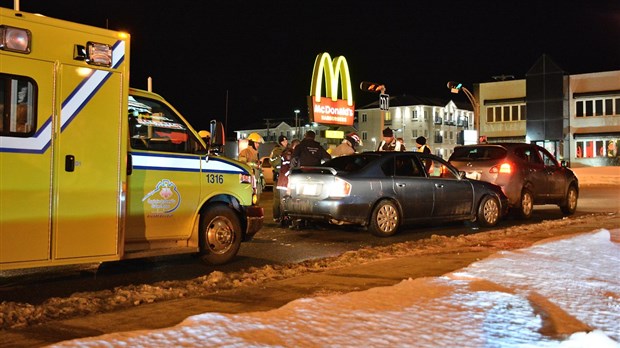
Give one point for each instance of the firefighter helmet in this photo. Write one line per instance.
(255, 137)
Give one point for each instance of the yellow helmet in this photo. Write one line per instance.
(204, 134)
(255, 137)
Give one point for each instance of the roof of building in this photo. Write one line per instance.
(408, 100)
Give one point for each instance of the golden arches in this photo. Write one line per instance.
(333, 70)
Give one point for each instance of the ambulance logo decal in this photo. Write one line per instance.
(164, 199)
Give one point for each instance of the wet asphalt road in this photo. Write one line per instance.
(272, 245)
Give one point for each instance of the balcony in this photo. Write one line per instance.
(438, 120)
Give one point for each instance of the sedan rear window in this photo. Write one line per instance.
(350, 163)
(478, 153)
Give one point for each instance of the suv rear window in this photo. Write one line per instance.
(478, 153)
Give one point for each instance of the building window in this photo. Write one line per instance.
(414, 133)
(506, 113)
(388, 117)
(414, 115)
(579, 109)
(598, 107)
(514, 113)
(609, 107)
(364, 118)
(364, 135)
(589, 108)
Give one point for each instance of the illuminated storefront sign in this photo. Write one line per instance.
(334, 134)
(330, 109)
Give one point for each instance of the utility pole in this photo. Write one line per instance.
(297, 124)
(267, 122)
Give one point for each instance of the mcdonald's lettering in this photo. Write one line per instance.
(330, 109)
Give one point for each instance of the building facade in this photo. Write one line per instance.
(439, 121)
(576, 117)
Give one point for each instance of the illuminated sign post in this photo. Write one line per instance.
(384, 98)
(330, 109)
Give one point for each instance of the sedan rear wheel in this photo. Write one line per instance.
(569, 206)
(488, 211)
(385, 219)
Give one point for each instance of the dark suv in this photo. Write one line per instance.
(528, 174)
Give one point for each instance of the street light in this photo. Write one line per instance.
(297, 123)
(455, 87)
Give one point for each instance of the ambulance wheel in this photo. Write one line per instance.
(220, 234)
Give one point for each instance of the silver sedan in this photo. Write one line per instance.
(385, 190)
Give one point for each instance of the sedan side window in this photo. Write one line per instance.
(437, 168)
(405, 167)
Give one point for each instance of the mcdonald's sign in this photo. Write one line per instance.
(330, 109)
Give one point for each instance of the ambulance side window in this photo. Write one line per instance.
(154, 126)
(18, 95)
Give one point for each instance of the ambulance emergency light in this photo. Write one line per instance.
(14, 39)
(94, 54)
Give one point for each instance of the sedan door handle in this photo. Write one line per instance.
(439, 185)
(401, 184)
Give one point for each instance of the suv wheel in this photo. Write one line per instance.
(569, 206)
(526, 205)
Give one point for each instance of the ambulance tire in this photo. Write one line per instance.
(220, 234)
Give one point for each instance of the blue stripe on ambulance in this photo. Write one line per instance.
(75, 102)
(144, 161)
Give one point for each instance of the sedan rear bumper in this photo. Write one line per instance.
(334, 211)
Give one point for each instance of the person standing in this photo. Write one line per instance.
(347, 147)
(389, 143)
(250, 153)
(420, 143)
(250, 156)
(282, 183)
(309, 152)
(275, 158)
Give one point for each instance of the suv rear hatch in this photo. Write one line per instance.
(479, 162)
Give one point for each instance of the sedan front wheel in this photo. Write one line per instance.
(385, 219)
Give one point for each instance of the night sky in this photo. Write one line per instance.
(261, 53)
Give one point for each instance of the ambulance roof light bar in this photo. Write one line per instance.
(15, 39)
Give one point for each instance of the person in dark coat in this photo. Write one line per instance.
(420, 143)
(309, 152)
(389, 143)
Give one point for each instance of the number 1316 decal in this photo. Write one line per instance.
(215, 178)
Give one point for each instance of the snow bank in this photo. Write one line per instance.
(564, 293)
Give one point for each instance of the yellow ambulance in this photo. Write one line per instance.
(92, 170)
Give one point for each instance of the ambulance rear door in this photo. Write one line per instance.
(89, 161)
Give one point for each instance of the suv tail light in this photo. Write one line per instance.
(504, 168)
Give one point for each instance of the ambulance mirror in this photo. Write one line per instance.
(217, 135)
